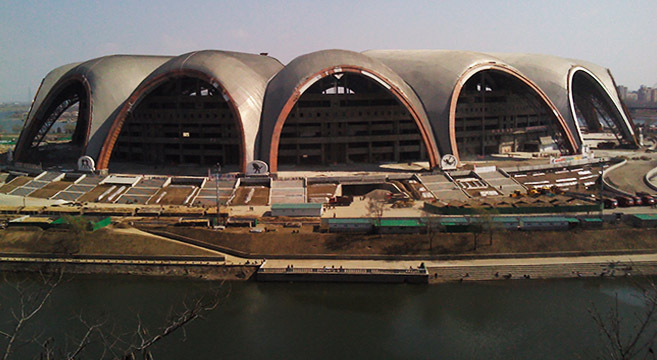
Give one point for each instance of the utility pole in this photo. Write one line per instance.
(602, 175)
(482, 92)
(217, 174)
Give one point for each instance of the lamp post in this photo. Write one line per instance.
(217, 174)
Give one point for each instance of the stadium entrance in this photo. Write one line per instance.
(497, 113)
(348, 118)
(596, 113)
(182, 121)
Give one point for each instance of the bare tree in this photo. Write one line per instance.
(433, 229)
(31, 299)
(375, 209)
(143, 339)
(110, 340)
(630, 338)
(487, 222)
(476, 228)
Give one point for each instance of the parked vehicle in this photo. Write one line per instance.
(648, 200)
(637, 201)
(624, 201)
(341, 200)
(610, 203)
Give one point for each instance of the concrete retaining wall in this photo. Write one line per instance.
(554, 166)
(343, 275)
(648, 179)
(609, 186)
(206, 272)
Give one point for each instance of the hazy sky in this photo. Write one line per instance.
(37, 36)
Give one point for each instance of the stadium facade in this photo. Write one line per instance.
(323, 108)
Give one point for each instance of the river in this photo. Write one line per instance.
(492, 320)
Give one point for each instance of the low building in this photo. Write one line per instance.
(547, 223)
(505, 223)
(354, 225)
(399, 226)
(589, 223)
(455, 225)
(303, 209)
(643, 220)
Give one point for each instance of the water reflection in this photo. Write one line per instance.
(497, 320)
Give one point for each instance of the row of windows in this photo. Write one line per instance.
(345, 114)
(162, 115)
(187, 105)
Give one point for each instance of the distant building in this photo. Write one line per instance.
(622, 92)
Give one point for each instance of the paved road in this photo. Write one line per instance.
(629, 177)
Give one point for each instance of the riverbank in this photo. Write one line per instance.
(206, 270)
(126, 250)
(305, 243)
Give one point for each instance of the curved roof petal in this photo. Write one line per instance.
(109, 80)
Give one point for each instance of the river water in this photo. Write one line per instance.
(493, 320)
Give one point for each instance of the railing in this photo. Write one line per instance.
(344, 271)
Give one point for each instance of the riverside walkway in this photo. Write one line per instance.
(497, 269)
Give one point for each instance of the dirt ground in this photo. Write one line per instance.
(105, 241)
(287, 241)
(51, 189)
(175, 195)
(93, 195)
(260, 195)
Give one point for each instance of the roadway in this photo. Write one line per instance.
(629, 177)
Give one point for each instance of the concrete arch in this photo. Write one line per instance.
(625, 127)
(465, 76)
(36, 125)
(285, 89)
(107, 80)
(146, 89)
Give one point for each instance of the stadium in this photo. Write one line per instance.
(325, 108)
(148, 126)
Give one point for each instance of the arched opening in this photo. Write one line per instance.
(498, 113)
(598, 119)
(58, 134)
(182, 121)
(348, 118)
